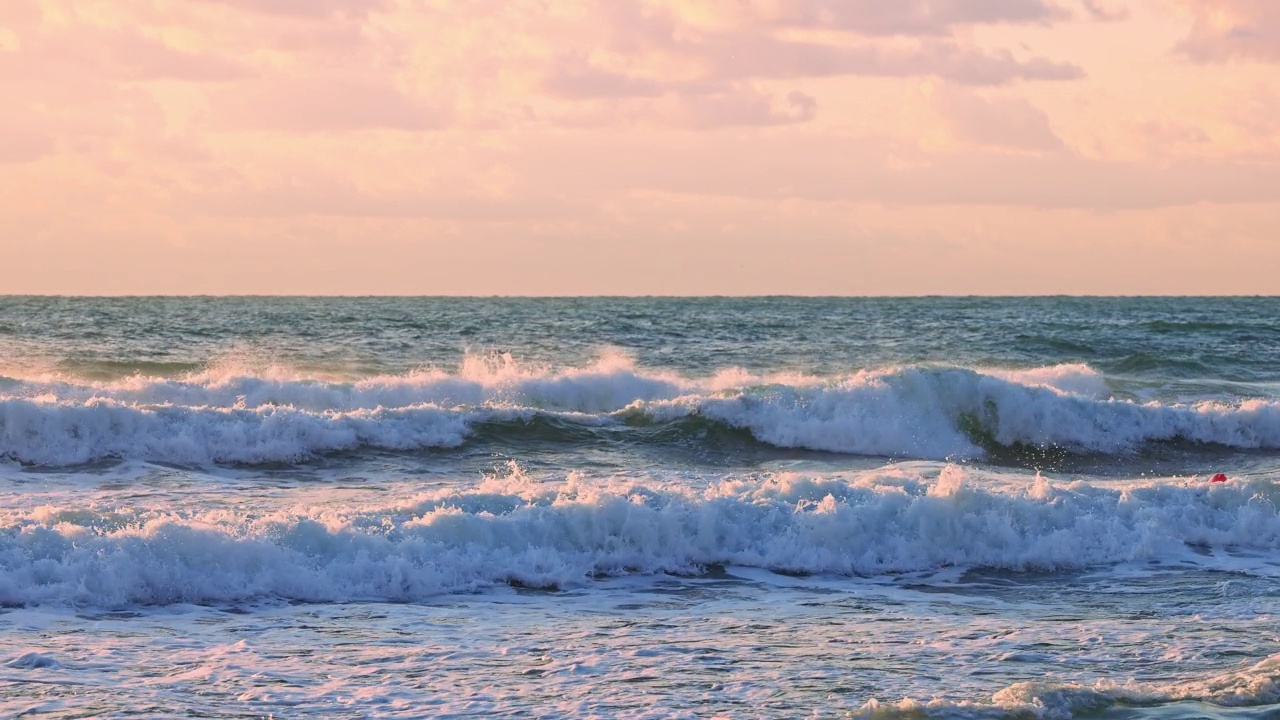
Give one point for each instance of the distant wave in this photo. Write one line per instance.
(907, 412)
(512, 530)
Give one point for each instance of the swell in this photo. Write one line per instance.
(1142, 362)
(117, 369)
(1197, 326)
(511, 530)
(910, 412)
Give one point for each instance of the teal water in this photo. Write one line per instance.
(1172, 351)
(1160, 340)
(650, 507)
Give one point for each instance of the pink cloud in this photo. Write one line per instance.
(142, 58)
(767, 168)
(754, 50)
(104, 54)
(1169, 133)
(685, 104)
(916, 17)
(306, 8)
(1104, 10)
(324, 105)
(876, 170)
(574, 77)
(697, 104)
(1002, 121)
(1229, 29)
(757, 58)
(723, 61)
(764, 58)
(328, 37)
(18, 146)
(742, 107)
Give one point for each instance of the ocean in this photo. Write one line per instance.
(640, 508)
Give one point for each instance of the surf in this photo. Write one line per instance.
(922, 411)
(511, 529)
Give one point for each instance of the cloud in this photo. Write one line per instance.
(1005, 121)
(323, 105)
(306, 8)
(913, 17)
(1103, 11)
(826, 168)
(741, 59)
(759, 57)
(641, 47)
(547, 131)
(142, 58)
(1162, 135)
(1224, 30)
(573, 77)
(20, 14)
(18, 146)
(118, 54)
(755, 50)
(556, 174)
(697, 104)
(741, 107)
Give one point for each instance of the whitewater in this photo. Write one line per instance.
(914, 412)
(772, 507)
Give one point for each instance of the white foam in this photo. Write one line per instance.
(66, 433)
(33, 661)
(921, 412)
(609, 384)
(514, 530)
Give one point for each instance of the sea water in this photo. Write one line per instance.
(773, 507)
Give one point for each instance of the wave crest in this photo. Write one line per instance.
(513, 530)
(916, 412)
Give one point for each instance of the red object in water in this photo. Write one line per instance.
(1220, 477)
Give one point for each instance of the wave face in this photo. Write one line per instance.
(512, 530)
(926, 412)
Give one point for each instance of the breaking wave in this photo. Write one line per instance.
(907, 412)
(513, 530)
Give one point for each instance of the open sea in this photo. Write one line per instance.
(639, 508)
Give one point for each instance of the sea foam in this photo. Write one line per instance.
(909, 412)
(512, 530)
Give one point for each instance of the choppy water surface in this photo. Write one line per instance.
(639, 508)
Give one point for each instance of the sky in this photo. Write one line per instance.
(624, 147)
